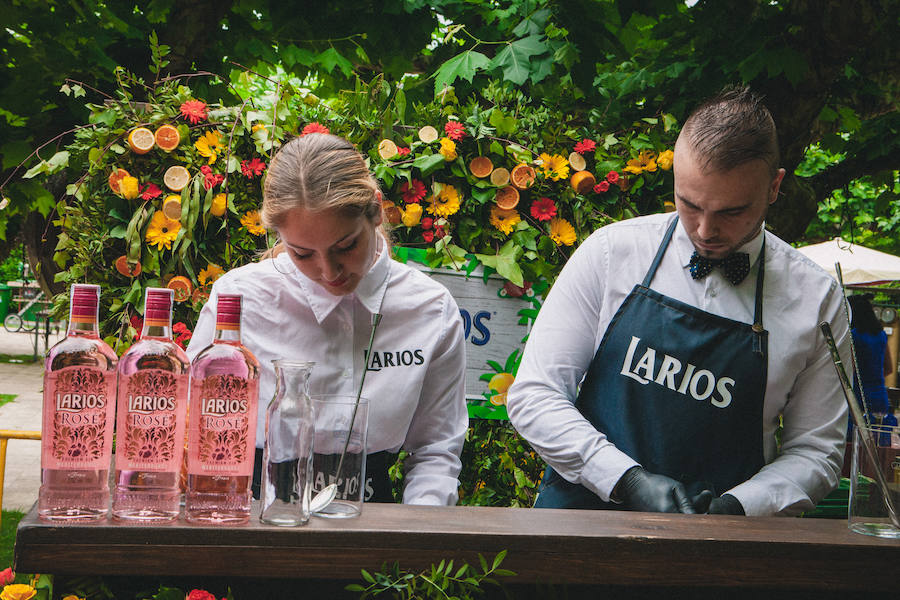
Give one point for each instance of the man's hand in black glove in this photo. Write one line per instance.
(726, 504)
(642, 490)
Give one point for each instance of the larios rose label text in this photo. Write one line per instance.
(150, 435)
(222, 439)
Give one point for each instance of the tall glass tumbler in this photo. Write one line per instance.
(336, 423)
(288, 449)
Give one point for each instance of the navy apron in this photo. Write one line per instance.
(677, 389)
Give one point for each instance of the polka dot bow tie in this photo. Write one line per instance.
(736, 266)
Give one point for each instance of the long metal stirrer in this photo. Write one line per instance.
(854, 364)
(859, 419)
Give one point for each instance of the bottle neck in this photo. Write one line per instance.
(157, 328)
(82, 327)
(227, 334)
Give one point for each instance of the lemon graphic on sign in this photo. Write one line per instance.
(500, 383)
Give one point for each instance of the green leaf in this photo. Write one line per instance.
(107, 117)
(331, 58)
(499, 558)
(504, 124)
(292, 55)
(515, 61)
(461, 66)
(429, 163)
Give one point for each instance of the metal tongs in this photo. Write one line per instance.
(860, 422)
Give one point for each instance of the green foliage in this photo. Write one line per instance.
(439, 581)
(10, 520)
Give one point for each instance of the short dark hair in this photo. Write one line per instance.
(862, 315)
(732, 128)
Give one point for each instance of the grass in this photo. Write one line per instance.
(17, 358)
(10, 520)
(5, 398)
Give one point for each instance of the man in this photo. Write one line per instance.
(671, 345)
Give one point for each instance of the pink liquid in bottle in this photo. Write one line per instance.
(151, 414)
(222, 429)
(78, 413)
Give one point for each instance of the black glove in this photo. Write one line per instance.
(726, 504)
(645, 491)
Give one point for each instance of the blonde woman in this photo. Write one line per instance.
(313, 300)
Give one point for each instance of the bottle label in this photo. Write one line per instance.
(222, 438)
(150, 426)
(77, 421)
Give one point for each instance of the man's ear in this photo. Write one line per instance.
(775, 185)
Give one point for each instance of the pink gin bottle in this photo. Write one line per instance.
(150, 423)
(222, 428)
(79, 408)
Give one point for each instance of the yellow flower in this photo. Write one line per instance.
(252, 222)
(554, 167)
(446, 202)
(162, 231)
(448, 149)
(219, 203)
(210, 144)
(665, 159)
(504, 219)
(412, 215)
(129, 187)
(210, 273)
(562, 232)
(646, 161)
(17, 591)
(72, 597)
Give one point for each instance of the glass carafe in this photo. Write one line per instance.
(288, 449)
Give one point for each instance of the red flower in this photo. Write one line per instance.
(455, 130)
(149, 191)
(543, 209)
(402, 151)
(601, 187)
(210, 179)
(194, 111)
(585, 145)
(612, 176)
(428, 236)
(412, 194)
(252, 168)
(7, 576)
(313, 128)
(200, 595)
(137, 322)
(439, 232)
(182, 335)
(426, 223)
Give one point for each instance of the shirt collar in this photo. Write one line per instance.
(685, 248)
(370, 290)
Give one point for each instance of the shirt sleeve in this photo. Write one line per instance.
(815, 428)
(438, 427)
(560, 347)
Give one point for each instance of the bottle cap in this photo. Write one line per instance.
(228, 311)
(158, 307)
(84, 300)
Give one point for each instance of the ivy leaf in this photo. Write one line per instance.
(505, 262)
(514, 58)
(429, 163)
(504, 124)
(461, 66)
(331, 58)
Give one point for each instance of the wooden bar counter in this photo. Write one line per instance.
(549, 546)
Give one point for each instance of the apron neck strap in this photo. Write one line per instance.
(659, 253)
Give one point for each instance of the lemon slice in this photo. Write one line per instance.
(387, 149)
(141, 140)
(428, 134)
(172, 207)
(500, 176)
(176, 177)
(577, 161)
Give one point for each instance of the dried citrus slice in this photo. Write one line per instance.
(577, 162)
(522, 176)
(141, 140)
(507, 197)
(583, 182)
(128, 269)
(200, 295)
(172, 207)
(176, 177)
(481, 166)
(387, 149)
(393, 214)
(182, 287)
(500, 176)
(115, 179)
(167, 138)
(428, 134)
(668, 206)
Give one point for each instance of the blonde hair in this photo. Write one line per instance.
(319, 172)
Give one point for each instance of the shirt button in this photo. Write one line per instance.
(713, 292)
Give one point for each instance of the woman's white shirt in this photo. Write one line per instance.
(416, 379)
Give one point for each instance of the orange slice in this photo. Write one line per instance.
(583, 182)
(500, 176)
(393, 214)
(577, 161)
(218, 206)
(141, 140)
(128, 269)
(115, 180)
(176, 177)
(167, 138)
(428, 134)
(387, 149)
(172, 207)
(481, 166)
(507, 197)
(200, 295)
(182, 287)
(668, 206)
(522, 176)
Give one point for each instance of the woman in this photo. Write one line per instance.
(873, 358)
(313, 300)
